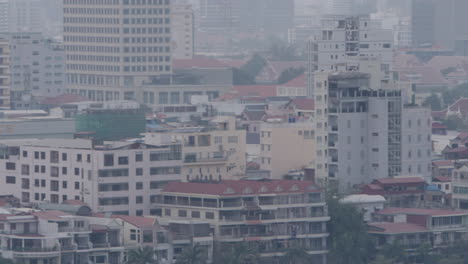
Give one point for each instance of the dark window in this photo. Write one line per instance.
(10, 179)
(139, 199)
(43, 183)
(209, 215)
(43, 169)
(123, 160)
(77, 185)
(64, 184)
(11, 166)
(25, 154)
(167, 212)
(139, 157)
(36, 154)
(43, 155)
(139, 171)
(64, 156)
(182, 213)
(79, 157)
(139, 186)
(77, 171)
(108, 160)
(36, 168)
(64, 170)
(195, 214)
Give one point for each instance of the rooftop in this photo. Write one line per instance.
(50, 215)
(443, 163)
(420, 211)
(138, 221)
(400, 180)
(395, 228)
(304, 103)
(244, 187)
(362, 198)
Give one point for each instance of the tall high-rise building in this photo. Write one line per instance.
(4, 74)
(363, 132)
(182, 31)
(21, 16)
(112, 47)
(37, 67)
(439, 22)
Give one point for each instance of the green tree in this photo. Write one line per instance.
(296, 255)
(380, 259)
(452, 260)
(239, 77)
(192, 255)
(453, 122)
(433, 102)
(424, 255)
(290, 74)
(448, 70)
(254, 66)
(394, 251)
(281, 51)
(239, 253)
(349, 241)
(141, 255)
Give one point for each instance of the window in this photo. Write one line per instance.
(36, 154)
(43, 183)
(79, 157)
(139, 171)
(167, 212)
(25, 154)
(195, 214)
(54, 171)
(182, 213)
(64, 185)
(10, 179)
(64, 156)
(139, 186)
(77, 185)
(11, 166)
(139, 199)
(43, 156)
(54, 156)
(77, 171)
(43, 169)
(108, 160)
(139, 157)
(64, 170)
(123, 160)
(209, 215)
(233, 139)
(24, 169)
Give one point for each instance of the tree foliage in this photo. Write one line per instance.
(349, 241)
(254, 66)
(239, 253)
(455, 122)
(452, 95)
(434, 102)
(289, 74)
(142, 255)
(281, 51)
(192, 255)
(296, 255)
(448, 70)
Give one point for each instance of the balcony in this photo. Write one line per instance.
(203, 161)
(34, 252)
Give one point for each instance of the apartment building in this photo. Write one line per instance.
(117, 177)
(460, 187)
(413, 227)
(209, 152)
(285, 147)
(271, 215)
(4, 74)
(113, 47)
(37, 67)
(182, 31)
(344, 38)
(21, 16)
(41, 237)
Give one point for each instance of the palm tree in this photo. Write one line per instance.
(141, 255)
(241, 253)
(295, 255)
(192, 255)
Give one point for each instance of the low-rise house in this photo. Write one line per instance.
(57, 237)
(365, 203)
(413, 227)
(270, 214)
(442, 168)
(439, 129)
(400, 192)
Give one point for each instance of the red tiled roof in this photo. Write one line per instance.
(420, 211)
(304, 103)
(202, 62)
(406, 60)
(442, 163)
(396, 228)
(438, 125)
(461, 105)
(64, 99)
(4, 217)
(138, 221)
(425, 74)
(400, 180)
(374, 186)
(255, 90)
(444, 62)
(439, 114)
(74, 202)
(457, 150)
(299, 81)
(243, 187)
(442, 179)
(50, 215)
(462, 136)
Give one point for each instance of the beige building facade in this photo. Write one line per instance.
(182, 31)
(286, 147)
(4, 74)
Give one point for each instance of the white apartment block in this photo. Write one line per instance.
(4, 74)
(416, 142)
(118, 177)
(37, 67)
(285, 147)
(20, 16)
(363, 133)
(343, 39)
(54, 237)
(209, 152)
(114, 46)
(268, 215)
(182, 31)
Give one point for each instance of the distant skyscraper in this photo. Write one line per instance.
(113, 47)
(182, 31)
(21, 16)
(4, 74)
